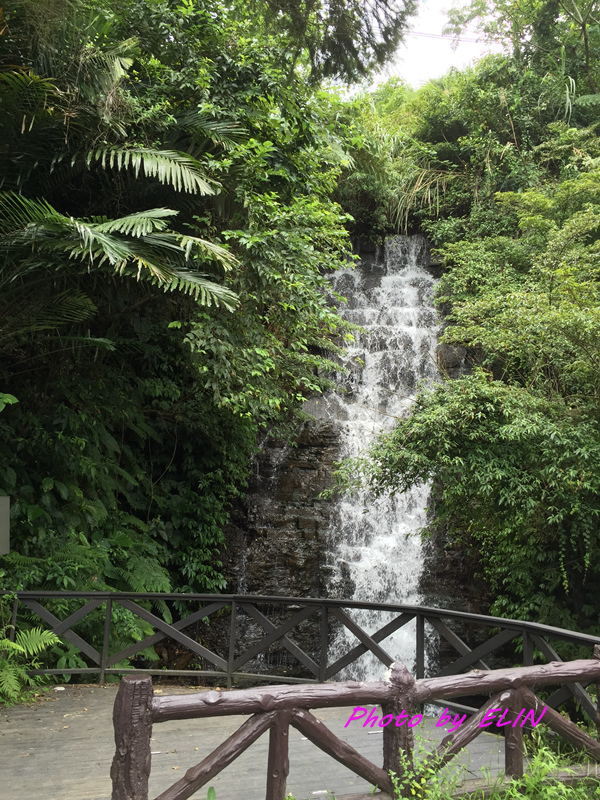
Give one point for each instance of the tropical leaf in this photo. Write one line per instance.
(200, 125)
(10, 680)
(137, 245)
(35, 641)
(172, 167)
(587, 100)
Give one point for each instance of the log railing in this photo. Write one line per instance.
(252, 626)
(275, 708)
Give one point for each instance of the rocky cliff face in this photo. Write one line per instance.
(277, 537)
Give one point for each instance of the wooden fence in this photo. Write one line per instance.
(278, 621)
(275, 708)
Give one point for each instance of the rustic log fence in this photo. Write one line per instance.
(275, 708)
(279, 621)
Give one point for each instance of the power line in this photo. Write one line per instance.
(441, 36)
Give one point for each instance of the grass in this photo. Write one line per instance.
(536, 784)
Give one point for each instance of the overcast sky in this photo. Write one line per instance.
(425, 54)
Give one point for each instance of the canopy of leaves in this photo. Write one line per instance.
(166, 229)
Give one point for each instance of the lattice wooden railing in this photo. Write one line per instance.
(280, 621)
(275, 708)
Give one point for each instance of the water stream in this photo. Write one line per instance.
(374, 546)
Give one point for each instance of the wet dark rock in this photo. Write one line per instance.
(283, 519)
(451, 359)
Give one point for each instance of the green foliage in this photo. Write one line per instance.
(498, 165)
(340, 39)
(536, 784)
(429, 783)
(6, 400)
(151, 146)
(519, 484)
(19, 656)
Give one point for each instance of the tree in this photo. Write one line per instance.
(146, 146)
(344, 39)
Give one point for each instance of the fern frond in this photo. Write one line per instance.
(6, 646)
(10, 680)
(587, 100)
(36, 640)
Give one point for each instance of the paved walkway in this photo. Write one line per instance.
(62, 749)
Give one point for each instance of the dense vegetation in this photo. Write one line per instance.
(178, 178)
(166, 230)
(500, 166)
(171, 154)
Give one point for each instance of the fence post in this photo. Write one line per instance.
(420, 647)
(12, 631)
(324, 643)
(279, 763)
(527, 649)
(104, 656)
(513, 738)
(597, 655)
(231, 654)
(398, 742)
(132, 720)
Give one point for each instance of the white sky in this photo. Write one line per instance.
(421, 58)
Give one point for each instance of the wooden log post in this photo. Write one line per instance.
(398, 742)
(513, 738)
(279, 763)
(132, 719)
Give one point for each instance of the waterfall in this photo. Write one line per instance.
(374, 546)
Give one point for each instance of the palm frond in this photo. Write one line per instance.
(21, 313)
(171, 167)
(18, 212)
(137, 244)
(423, 186)
(26, 86)
(138, 224)
(200, 125)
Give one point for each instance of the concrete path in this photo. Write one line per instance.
(62, 749)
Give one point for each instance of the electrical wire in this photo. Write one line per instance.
(441, 36)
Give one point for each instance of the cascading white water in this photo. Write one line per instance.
(374, 545)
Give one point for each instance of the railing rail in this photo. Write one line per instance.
(311, 660)
(275, 708)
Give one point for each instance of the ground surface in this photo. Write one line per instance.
(62, 749)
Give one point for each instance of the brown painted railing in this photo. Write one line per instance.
(275, 708)
(311, 661)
